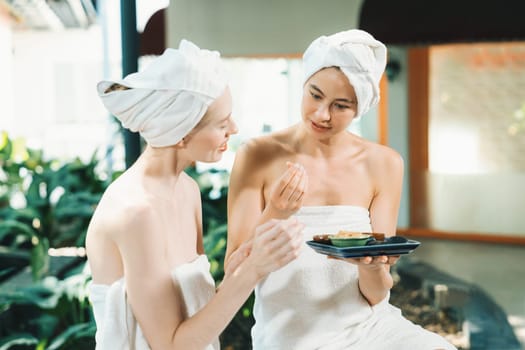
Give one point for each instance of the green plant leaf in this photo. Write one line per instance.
(44, 294)
(71, 333)
(13, 228)
(44, 326)
(17, 339)
(40, 259)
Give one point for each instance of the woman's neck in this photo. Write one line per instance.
(162, 162)
(330, 147)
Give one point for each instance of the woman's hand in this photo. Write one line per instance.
(275, 244)
(288, 193)
(371, 262)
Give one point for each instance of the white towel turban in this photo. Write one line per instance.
(359, 56)
(170, 96)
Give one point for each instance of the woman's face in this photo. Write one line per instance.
(208, 141)
(329, 103)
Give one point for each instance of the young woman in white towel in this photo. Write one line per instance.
(329, 179)
(151, 285)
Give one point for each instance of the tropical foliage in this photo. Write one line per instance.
(44, 204)
(47, 204)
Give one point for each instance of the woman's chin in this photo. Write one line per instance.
(212, 158)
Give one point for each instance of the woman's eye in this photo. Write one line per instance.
(340, 106)
(315, 96)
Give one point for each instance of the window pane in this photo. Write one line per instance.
(477, 138)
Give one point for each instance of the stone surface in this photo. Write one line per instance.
(463, 303)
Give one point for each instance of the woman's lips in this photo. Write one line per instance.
(318, 127)
(223, 147)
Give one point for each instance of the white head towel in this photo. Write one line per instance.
(359, 56)
(170, 96)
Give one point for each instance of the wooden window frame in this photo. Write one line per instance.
(418, 110)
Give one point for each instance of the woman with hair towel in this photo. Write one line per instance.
(329, 179)
(152, 286)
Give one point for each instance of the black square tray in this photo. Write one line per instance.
(367, 250)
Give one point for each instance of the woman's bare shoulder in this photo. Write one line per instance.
(267, 147)
(381, 157)
(121, 210)
(256, 158)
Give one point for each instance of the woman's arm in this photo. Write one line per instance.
(154, 299)
(245, 201)
(374, 273)
(246, 195)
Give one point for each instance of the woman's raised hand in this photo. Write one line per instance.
(275, 244)
(288, 193)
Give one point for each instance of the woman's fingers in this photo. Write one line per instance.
(278, 244)
(266, 227)
(291, 183)
(295, 187)
(287, 194)
(281, 231)
(368, 260)
(278, 233)
(300, 189)
(286, 179)
(283, 241)
(282, 254)
(392, 260)
(383, 259)
(291, 187)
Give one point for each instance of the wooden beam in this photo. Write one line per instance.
(382, 129)
(418, 115)
(462, 236)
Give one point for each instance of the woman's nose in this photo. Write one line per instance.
(323, 112)
(233, 128)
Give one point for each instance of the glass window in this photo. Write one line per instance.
(477, 138)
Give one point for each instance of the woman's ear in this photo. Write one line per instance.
(181, 143)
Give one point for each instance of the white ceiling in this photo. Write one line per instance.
(51, 14)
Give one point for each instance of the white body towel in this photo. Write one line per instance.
(315, 303)
(117, 327)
